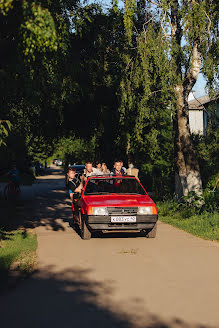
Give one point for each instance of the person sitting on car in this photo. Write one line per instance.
(104, 169)
(132, 170)
(98, 166)
(117, 169)
(89, 171)
(74, 185)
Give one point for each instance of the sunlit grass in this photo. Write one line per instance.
(204, 225)
(17, 246)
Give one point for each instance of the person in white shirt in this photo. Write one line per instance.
(89, 171)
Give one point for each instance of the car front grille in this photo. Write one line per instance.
(122, 210)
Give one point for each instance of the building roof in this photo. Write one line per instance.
(199, 103)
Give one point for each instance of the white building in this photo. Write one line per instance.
(198, 113)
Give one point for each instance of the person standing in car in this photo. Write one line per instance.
(89, 171)
(132, 170)
(117, 169)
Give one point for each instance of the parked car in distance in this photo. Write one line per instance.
(111, 203)
(54, 160)
(59, 162)
(79, 169)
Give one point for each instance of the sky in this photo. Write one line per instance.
(199, 87)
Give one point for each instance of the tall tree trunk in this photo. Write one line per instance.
(188, 176)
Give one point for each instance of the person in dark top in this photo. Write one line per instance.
(117, 169)
(14, 176)
(73, 184)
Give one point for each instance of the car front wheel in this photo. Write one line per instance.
(152, 233)
(85, 232)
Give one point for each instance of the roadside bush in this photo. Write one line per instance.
(192, 204)
(168, 206)
(200, 221)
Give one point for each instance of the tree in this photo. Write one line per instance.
(33, 70)
(96, 70)
(5, 127)
(189, 29)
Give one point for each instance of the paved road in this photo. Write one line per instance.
(111, 280)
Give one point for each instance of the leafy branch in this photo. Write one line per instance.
(5, 127)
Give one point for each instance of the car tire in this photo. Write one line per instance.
(85, 232)
(152, 233)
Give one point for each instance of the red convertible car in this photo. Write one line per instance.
(115, 203)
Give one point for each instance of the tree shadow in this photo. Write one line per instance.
(45, 179)
(69, 298)
(48, 206)
(5, 235)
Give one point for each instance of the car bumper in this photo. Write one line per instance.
(143, 222)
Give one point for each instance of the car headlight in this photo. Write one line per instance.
(145, 210)
(100, 211)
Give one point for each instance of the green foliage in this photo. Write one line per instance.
(5, 126)
(5, 6)
(38, 148)
(84, 17)
(128, 19)
(145, 110)
(157, 63)
(115, 6)
(98, 45)
(17, 246)
(35, 39)
(192, 204)
(75, 150)
(189, 216)
(207, 147)
(38, 30)
(205, 225)
(85, 83)
(211, 198)
(198, 22)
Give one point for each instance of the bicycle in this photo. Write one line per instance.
(11, 191)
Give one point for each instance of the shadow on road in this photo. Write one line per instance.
(70, 299)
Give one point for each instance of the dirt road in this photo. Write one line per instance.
(112, 280)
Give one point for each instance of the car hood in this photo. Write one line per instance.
(118, 200)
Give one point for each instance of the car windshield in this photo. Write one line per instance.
(78, 168)
(114, 186)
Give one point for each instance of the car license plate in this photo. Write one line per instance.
(120, 219)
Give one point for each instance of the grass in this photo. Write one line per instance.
(204, 225)
(17, 246)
